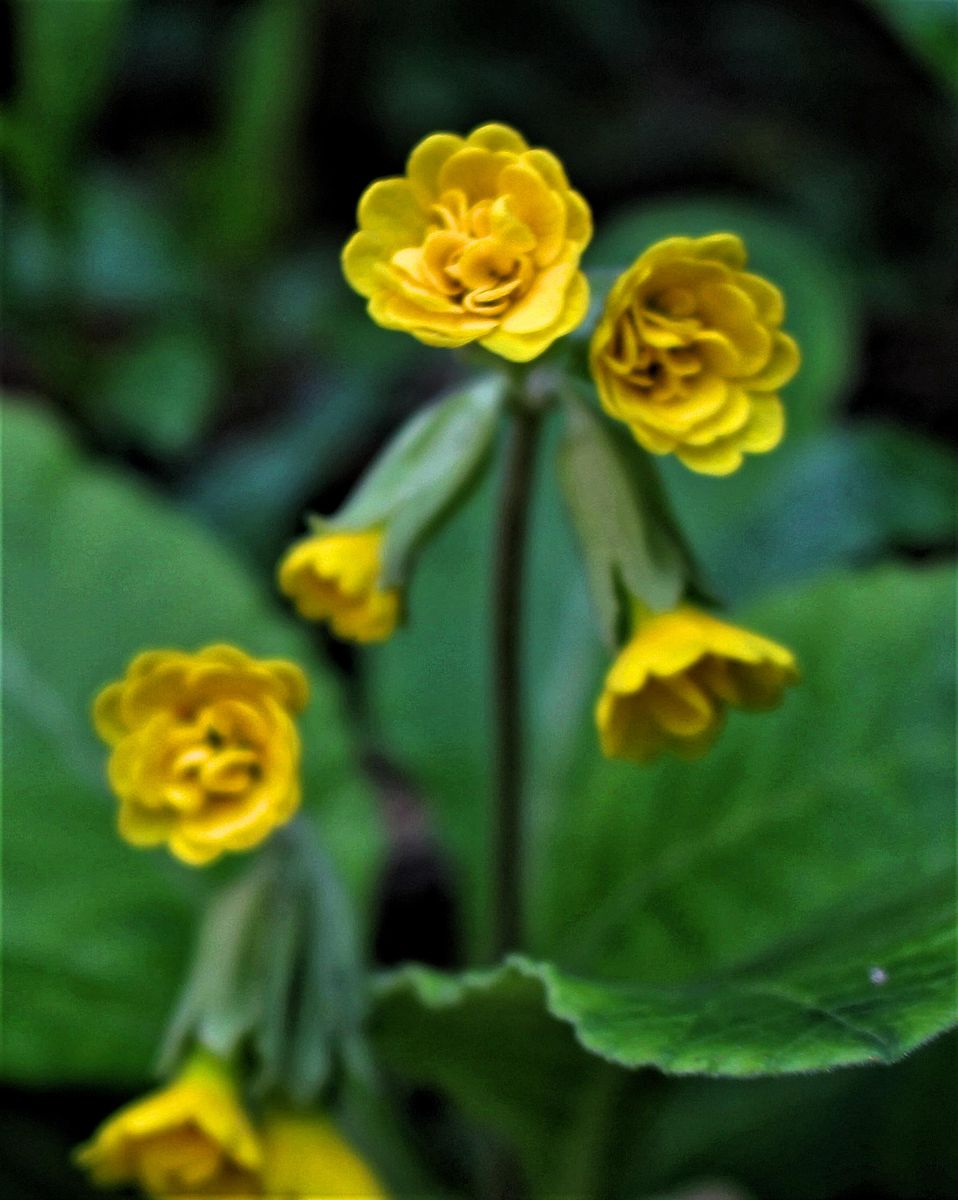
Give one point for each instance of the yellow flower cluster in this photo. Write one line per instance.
(671, 684)
(479, 241)
(194, 1139)
(689, 353)
(205, 755)
(335, 577)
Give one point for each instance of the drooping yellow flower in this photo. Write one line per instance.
(479, 241)
(335, 577)
(205, 752)
(671, 684)
(190, 1139)
(306, 1157)
(689, 353)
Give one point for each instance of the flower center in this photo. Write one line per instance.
(215, 756)
(475, 258)
(653, 346)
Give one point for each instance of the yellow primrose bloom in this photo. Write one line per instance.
(479, 241)
(671, 684)
(335, 577)
(305, 1156)
(205, 752)
(190, 1139)
(689, 353)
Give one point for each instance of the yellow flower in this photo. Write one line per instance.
(304, 1156)
(671, 684)
(479, 241)
(335, 577)
(689, 353)
(190, 1139)
(205, 753)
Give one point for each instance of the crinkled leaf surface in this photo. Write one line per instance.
(96, 933)
(785, 904)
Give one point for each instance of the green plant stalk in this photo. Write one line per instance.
(509, 570)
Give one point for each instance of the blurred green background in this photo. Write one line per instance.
(178, 180)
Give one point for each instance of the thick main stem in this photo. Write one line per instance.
(507, 674)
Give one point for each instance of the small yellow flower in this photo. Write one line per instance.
(479, 241)
(304, 1156)
(689, 353)
(205, 752)
(190, 1139)
(671, 684)
(335, 577)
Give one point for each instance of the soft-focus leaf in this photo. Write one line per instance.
(250, 175)
(785, 904)
(808, 847)
(96, 933)
(160, 392)
(625, 539)
(842, 496)
(426, 469)
(57, 95)
(821, 311)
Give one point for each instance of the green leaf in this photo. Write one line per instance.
(786, 904)
(427, 468)
(96, 933)
(842, 496)
(761, 885)
(625, 534)
(930, 29)
(821, 308)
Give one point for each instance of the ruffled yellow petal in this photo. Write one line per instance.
(190, 1137)
(671, 684)
(306, 1157)
(479, 242)
(689, 353)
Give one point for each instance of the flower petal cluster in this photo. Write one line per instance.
(334, 577)
(191, 1138)
(305, 1156)
(671, 684)
(479, 241)
(689, 353)
(205, 752)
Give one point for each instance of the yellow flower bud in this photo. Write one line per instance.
(479, 241)
(335, 577)
(671, 684)
(205, 753)
(689, 353)
(305, 1156)
(190, 1139)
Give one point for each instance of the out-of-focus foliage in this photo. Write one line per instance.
(178, 182)
(96, 934)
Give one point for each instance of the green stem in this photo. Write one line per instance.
(507, 645)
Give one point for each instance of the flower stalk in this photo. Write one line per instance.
(508, 580)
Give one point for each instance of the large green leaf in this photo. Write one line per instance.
(97, 933)
(784, 905)
(840, 496)
(830, 815)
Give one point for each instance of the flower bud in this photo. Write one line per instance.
(190, 1138)
(670, 686)
(689, 353)
(335, 577)
(304, 1155)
